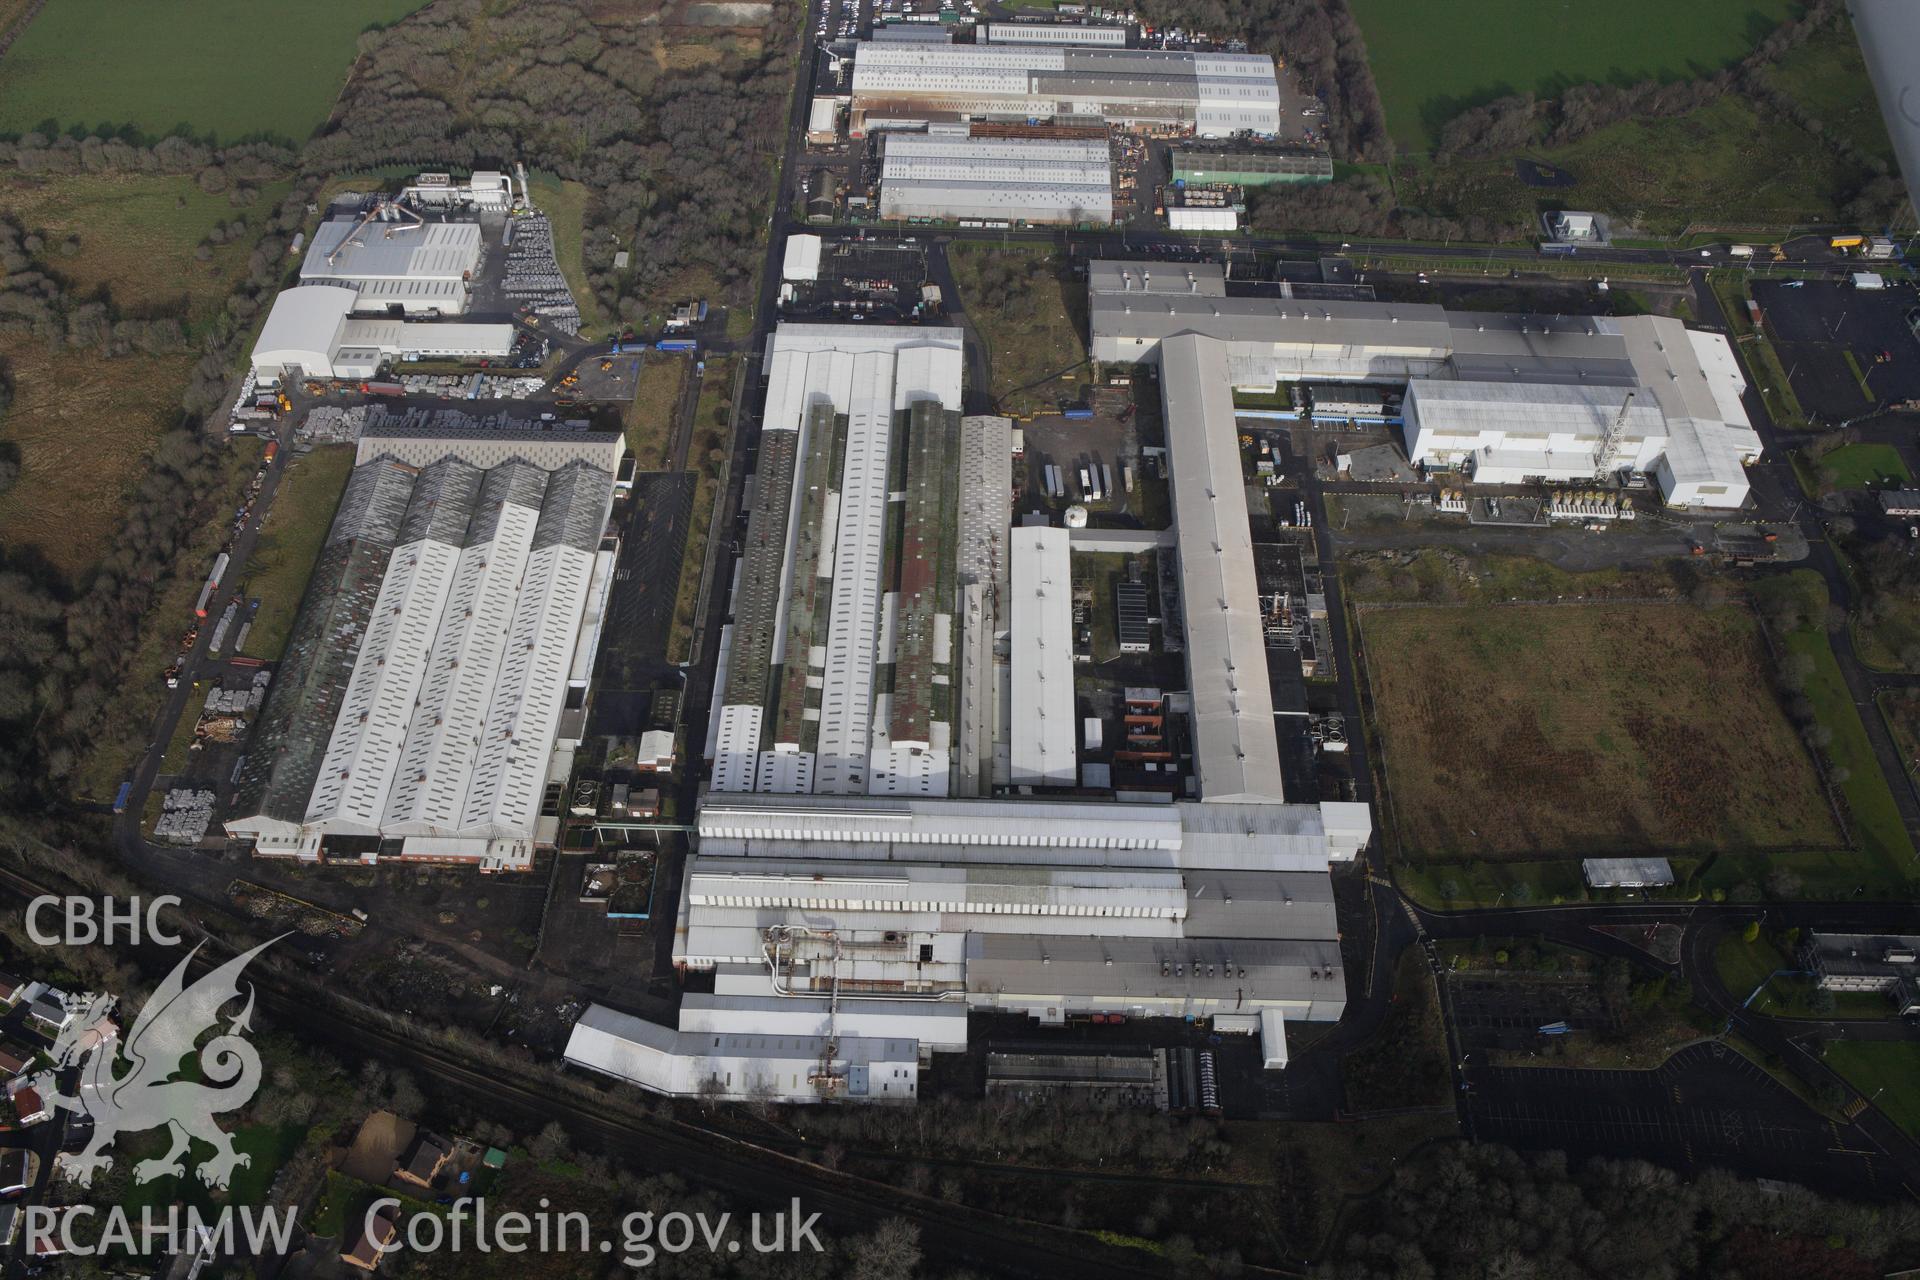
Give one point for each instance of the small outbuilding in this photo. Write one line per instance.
(1627, 873)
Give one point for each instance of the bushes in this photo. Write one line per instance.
(1362, 206)
(679, 161)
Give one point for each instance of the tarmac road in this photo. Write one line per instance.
(1149, 243)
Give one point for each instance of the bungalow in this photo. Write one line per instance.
(423, 1160)
(375, 1235)
(29, 1106)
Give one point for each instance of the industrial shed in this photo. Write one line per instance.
(313, 329)
(1042, 637)
(1250, 168)
(302, 332)
(393, 261)
(425, 686)
(951, 177)
(775, 1068)
(1503, 398)
(1218, 95)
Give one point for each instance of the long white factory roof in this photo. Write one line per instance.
(733, 1064)
(1582, 411)
(859, 551)
(1041, 632)
(1236, 752)
(946, 157)
(916, 67)
(1037, 178)
(446, 720)
(1257, 971)
(1224, 836)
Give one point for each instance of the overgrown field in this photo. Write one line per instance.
(83, 423)
(225, 69)
(83, 426)
(1029, 317)
(1530, 730)
(1722, 163)
(707, 458)
(290, 541)
(135, 701)
(136, 235)
(1433, 61)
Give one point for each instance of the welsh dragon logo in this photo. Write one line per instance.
(149, 1094)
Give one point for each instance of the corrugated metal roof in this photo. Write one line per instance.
(1245, 971)
(1041, 630)
(314, 671)
(1235, 751)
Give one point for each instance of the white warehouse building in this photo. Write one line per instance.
(1501, 398)
(813, 599)
(435, 680)
(312, 329)
(948, 176)
(1080, 33)
(1217, 95)
(1042, 638)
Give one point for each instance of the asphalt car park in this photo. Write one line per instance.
(1845, 349)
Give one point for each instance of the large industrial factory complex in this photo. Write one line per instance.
(1214, 95)
(898, 831)
(1501, 399)
(435, 682)
(895, 834)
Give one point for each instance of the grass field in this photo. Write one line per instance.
(1867, 466)
(84, 424)
(1828, 77)
(1887, 1073)
(228, 69)
(650, 413)
(1723, 163)
(1032, 334)
(1882, 838)
(1745, 966)
(290, 542)
(1538, 730)
(1433, 61)
(565, 204)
